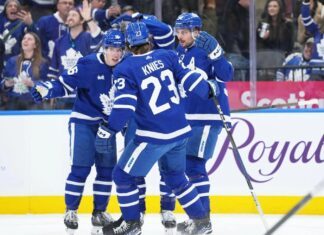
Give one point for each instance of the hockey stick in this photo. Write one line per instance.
(300, 103)
(297, 207)
(240, 162)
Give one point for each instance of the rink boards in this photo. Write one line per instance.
(282, 151)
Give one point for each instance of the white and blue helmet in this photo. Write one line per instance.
(137, 34)
(114, 38)
(188, 21)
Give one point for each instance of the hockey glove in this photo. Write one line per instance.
(213, 88)
(40, 91)
(102, 139)
(208, 43)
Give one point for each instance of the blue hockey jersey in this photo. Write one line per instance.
(12, 32)
(92, 80)
(293, 74)
(147, 85)
(200, 112)
(25, 72)
(318, 53)
(68, 51)
(49, 28)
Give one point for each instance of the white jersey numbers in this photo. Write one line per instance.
(157, 87)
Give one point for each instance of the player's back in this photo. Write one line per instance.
(152, 77)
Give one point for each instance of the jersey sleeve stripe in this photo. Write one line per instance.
(126, 96)
(183, 80)
(121, 106)
(163, 136)
(53, 69)
(195, 83)
(165, 44)
(164, 36)
(65, 85)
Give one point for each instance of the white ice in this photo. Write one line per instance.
(223, 224)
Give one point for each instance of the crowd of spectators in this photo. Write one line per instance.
(70, 29)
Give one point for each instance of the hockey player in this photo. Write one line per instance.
(146, 84)
(206, 56)
(161, 37)
(92, 80)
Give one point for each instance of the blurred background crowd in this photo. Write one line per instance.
(41, 38)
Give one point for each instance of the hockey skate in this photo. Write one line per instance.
(125, 228)
(71, 221)
(195, 227)
(100, 219)
(118, 222)
(169, 222)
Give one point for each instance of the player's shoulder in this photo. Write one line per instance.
(165, 53)
(91, 60)
(124, 65)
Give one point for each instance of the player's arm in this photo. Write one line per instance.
(195, 82)
(123, 108)
(223, 69)
(162, 33)
(64, 85)
(307, 19)
(53, 70)
(124, 103)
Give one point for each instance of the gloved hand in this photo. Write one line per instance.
(40, 91)
(102, 139)
(121, 18)
(209, 44)
(213, 88)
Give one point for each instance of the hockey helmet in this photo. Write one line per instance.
(137, 34)
(114, 38)
(188, 21)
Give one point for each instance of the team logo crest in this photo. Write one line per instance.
(71, 58)
(20, 86)
(107, 101)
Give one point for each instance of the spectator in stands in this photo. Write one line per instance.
(2, 2)
(98, 4)
(295, 60)
(274, 31)
(21, 71)
(317, 60)
(39, 8)
(188, 5)
(51, 27)
(209, 17)
(2, 51)
(75, 44)
(11, 28)
(143, 6)
(104, 16)
(234, 35)
(317, 13)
